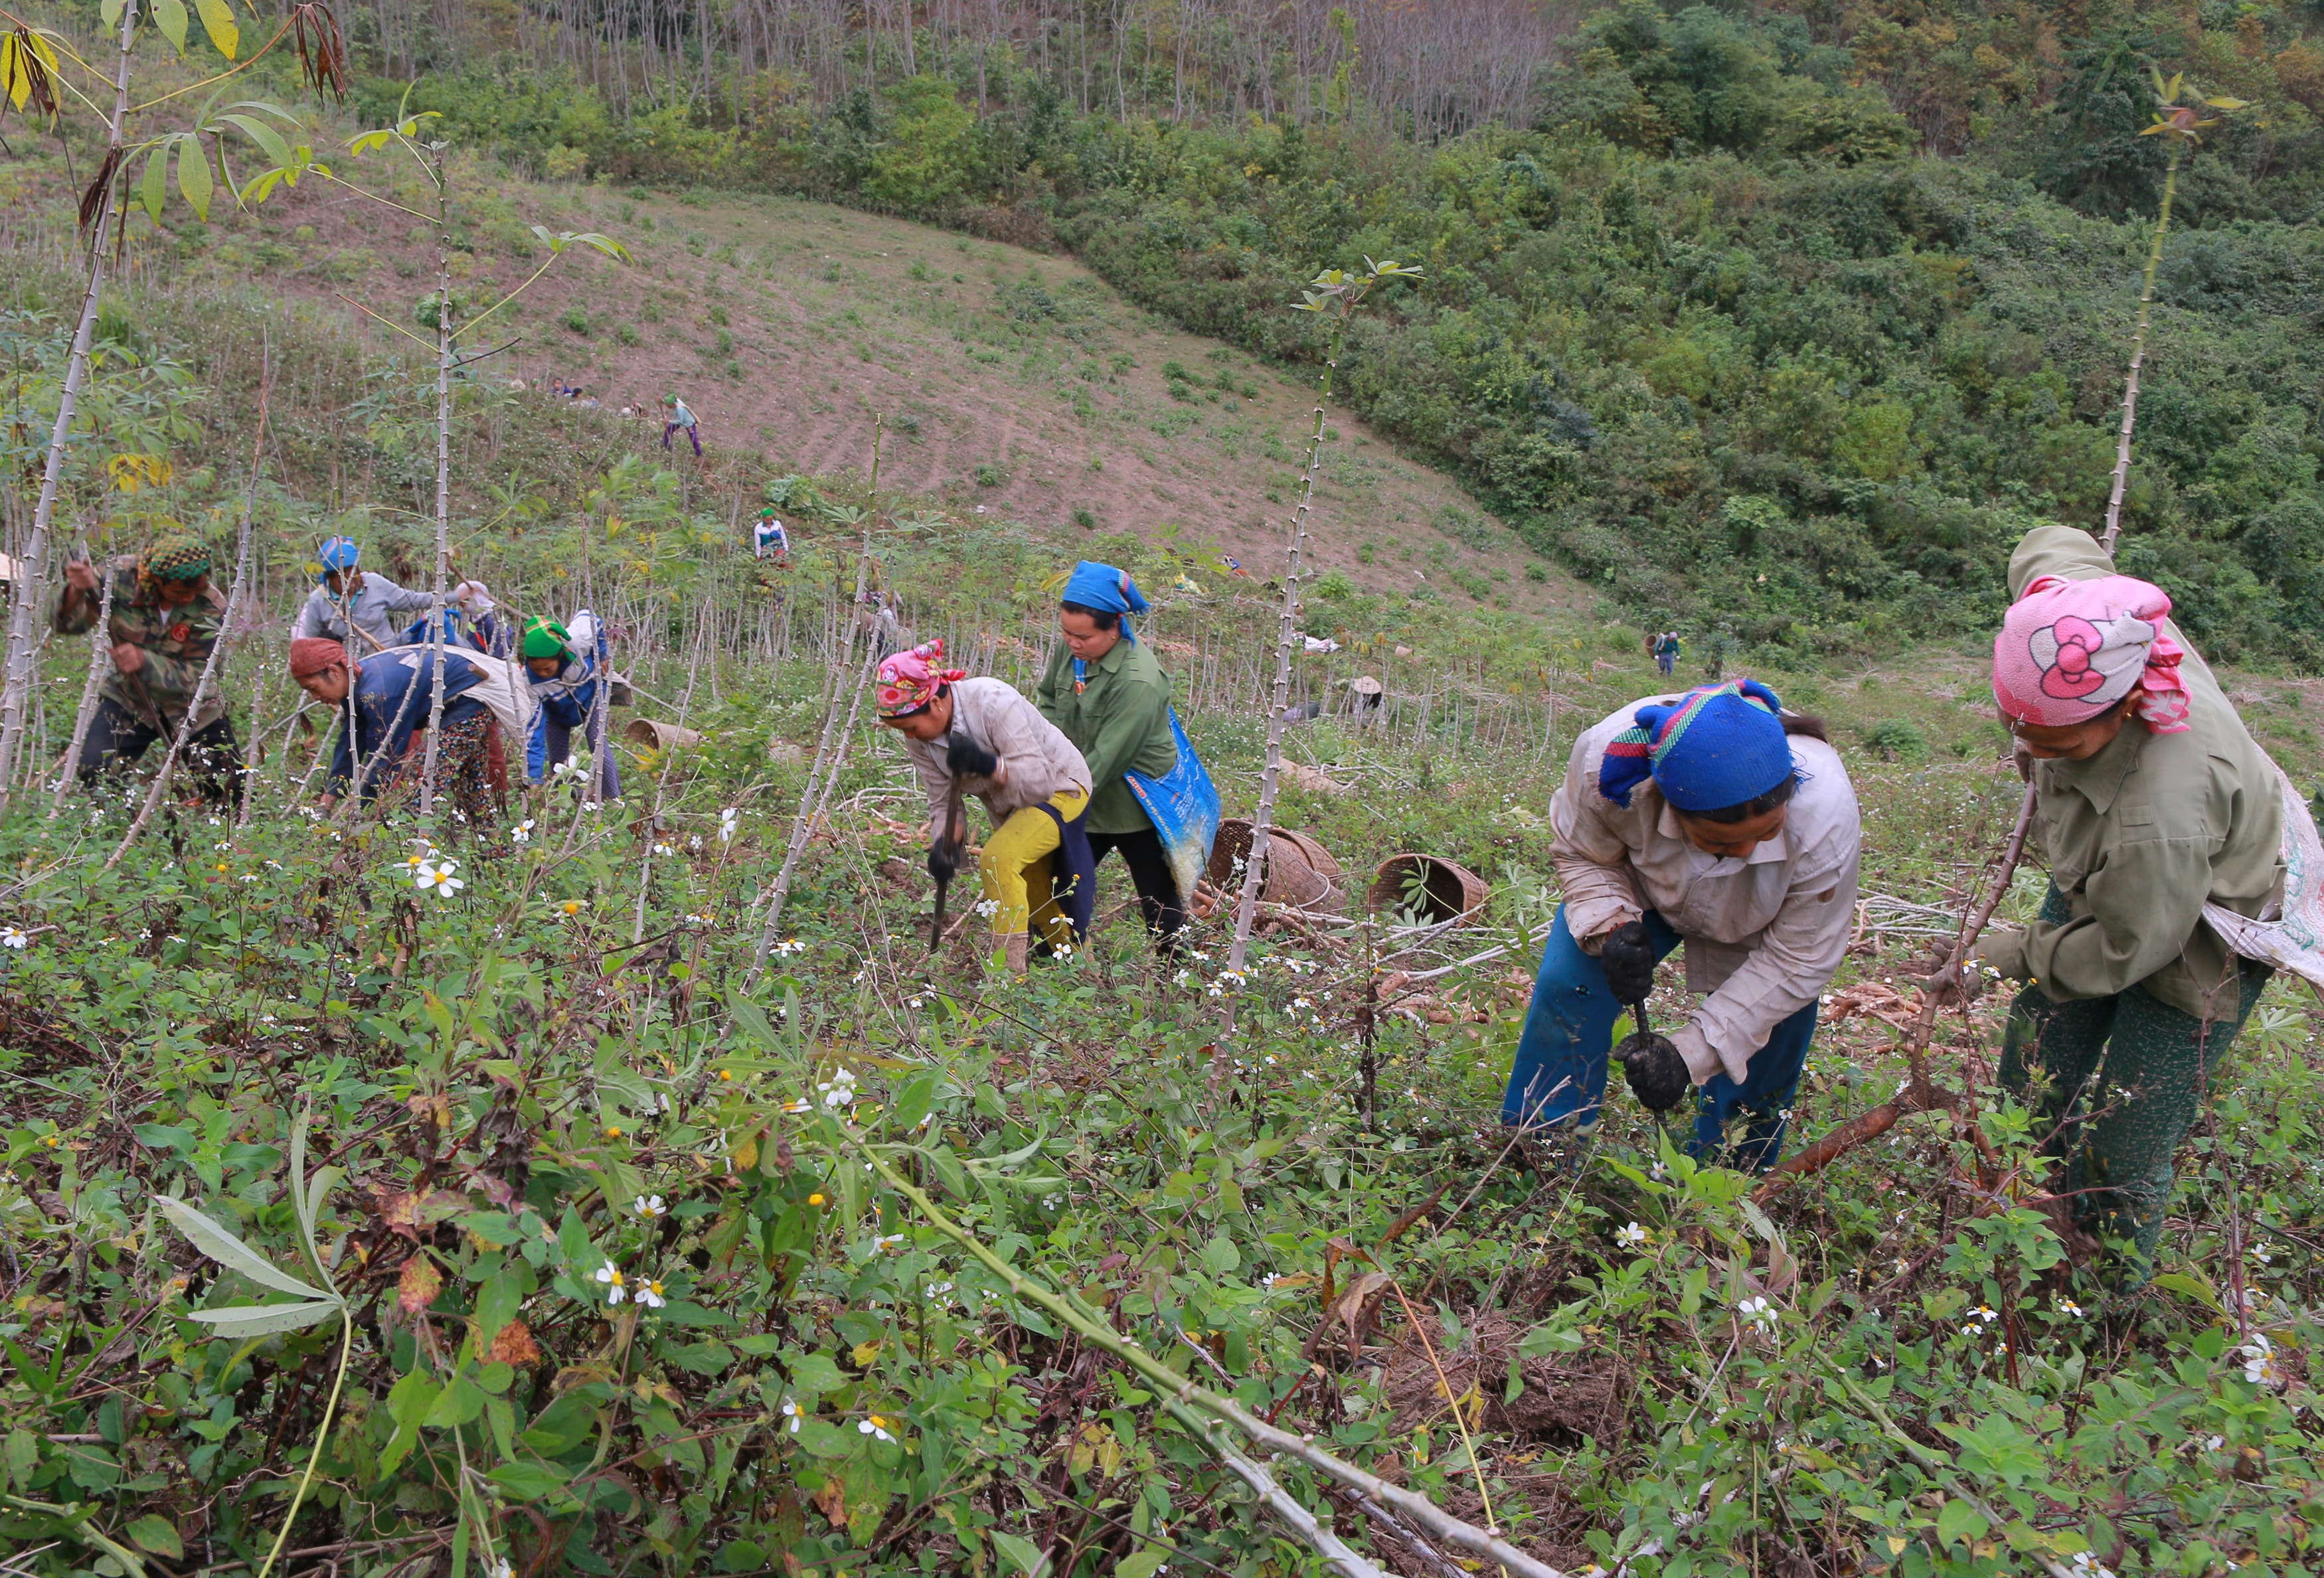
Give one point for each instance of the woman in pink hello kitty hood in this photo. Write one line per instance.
(2151, 802)
(2071, 651)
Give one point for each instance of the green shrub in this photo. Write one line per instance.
(627, 334)
(1895, 740)
(989, 476)
(575, 319)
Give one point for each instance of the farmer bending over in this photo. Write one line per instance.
(162, 632)
(2151, 799)
(1715, 819)
(1107, 693)
(383, 735)
(346, 596)
(980, 737)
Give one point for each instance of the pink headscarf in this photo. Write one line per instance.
(909, 680)
(2068, 650)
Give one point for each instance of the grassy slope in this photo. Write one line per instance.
(1015, 385)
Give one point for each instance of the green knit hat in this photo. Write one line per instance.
(545, 638)
(174, 555)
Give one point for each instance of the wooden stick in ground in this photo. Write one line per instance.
(1286, 1507)
(2138, 355)
(823, 773)
(225, 625)
(100, 652)
(16, 678)
(1918, 1095)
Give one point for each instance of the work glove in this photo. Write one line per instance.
(966, 757)
(1656, 1073)
(1628, 957)
(944, 860)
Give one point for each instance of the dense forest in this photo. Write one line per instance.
(1783, 321)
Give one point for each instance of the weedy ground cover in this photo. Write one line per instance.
(632, 1282)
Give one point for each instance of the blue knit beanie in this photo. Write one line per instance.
(1718, 745)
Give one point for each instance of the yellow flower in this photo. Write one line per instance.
(611, 1132)
(811, 1199)
(726, 1074)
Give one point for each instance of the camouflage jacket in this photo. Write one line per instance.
(177, 644)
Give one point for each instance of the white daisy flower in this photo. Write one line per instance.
(651, 1296)
(874, 1427)
(438, 880)
(649, 1205)
(15, 937)
(609, 1277)
(1756, 1311)
(791, 1416)
(1631, 1234)
(522, 832)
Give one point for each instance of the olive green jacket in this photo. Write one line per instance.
(2143, 835)
(1120, 721)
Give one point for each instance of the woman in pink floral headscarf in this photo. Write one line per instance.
(2151, 802)
(1039, 877)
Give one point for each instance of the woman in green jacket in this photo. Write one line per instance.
(2151, 800)
(1105, 690)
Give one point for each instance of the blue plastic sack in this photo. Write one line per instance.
(1184, 807)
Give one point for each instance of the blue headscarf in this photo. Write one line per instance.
(1718, 745)
(340, 554)
(1105, 589)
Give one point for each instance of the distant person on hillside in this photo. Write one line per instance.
(770, 540)
(1666, 651)
(1720, 822)
(676, 416)
(2152, 800)
(1106, 690)
(358, 606)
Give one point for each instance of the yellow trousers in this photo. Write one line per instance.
(1015, 869)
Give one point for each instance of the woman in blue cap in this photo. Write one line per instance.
(1715, 819)
(1105, 691)
(346, 601)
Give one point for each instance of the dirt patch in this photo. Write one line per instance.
(1566, 1396)
(1017, 385)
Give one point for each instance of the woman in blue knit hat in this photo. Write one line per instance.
(1106, 692)
(1715, 819)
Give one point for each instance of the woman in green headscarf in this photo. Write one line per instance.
(565, 691)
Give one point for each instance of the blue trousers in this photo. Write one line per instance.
(1559, 1076)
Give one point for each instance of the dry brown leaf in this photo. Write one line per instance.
(832, 1501)
(1355, 1307)
(513, 1345)
(417, 1288)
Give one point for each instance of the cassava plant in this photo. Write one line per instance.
(427, 156)
(2180, 124)
(37, 70)
(1334, 295)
